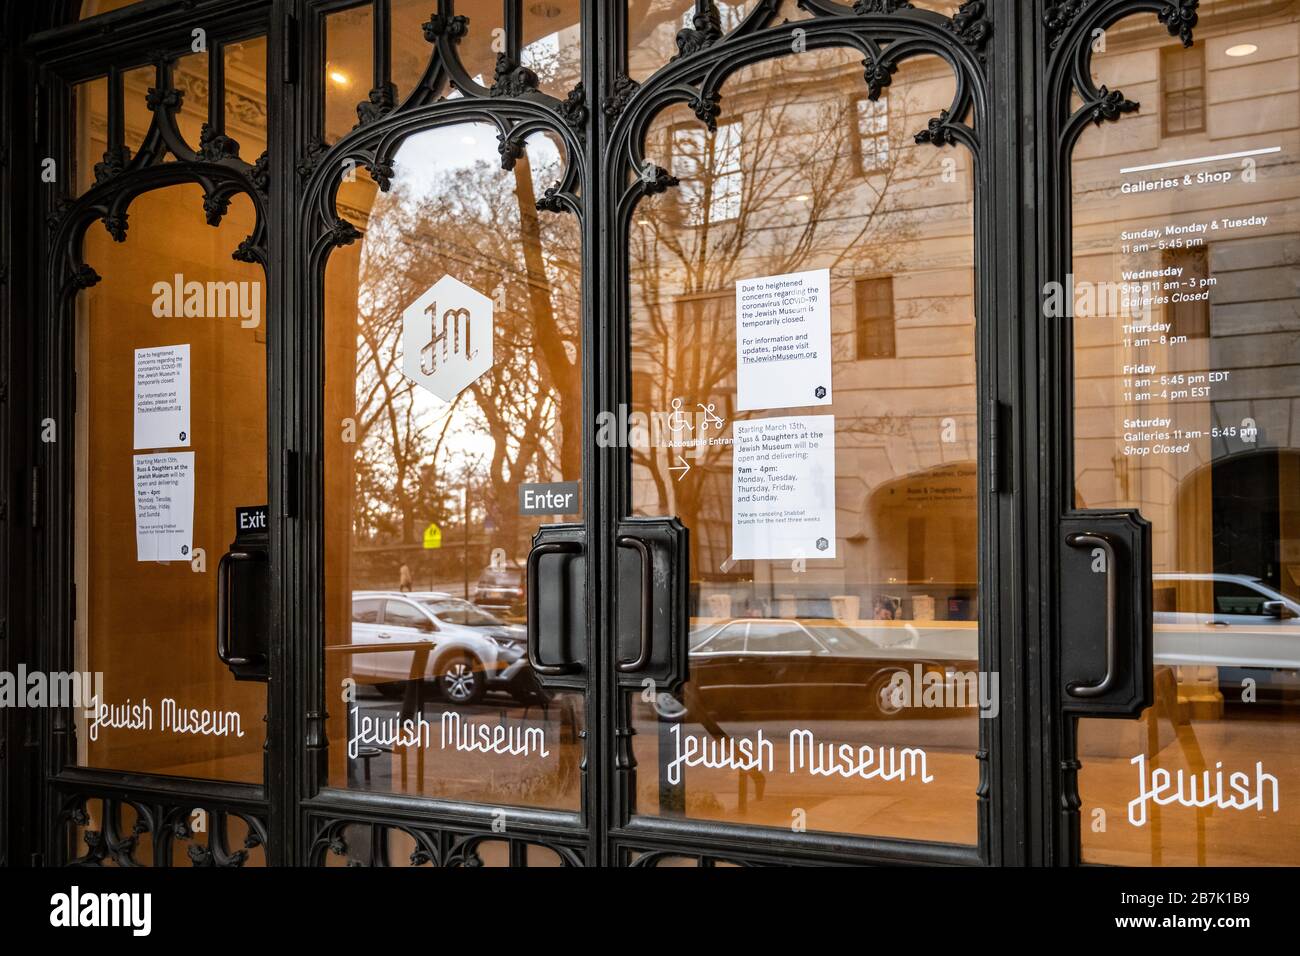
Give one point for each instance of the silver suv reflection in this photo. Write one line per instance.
(420, 635)
(1235, 622)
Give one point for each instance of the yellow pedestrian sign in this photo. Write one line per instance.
(432, 537)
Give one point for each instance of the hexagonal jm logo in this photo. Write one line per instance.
(447, 338)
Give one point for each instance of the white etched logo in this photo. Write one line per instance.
(447, 338)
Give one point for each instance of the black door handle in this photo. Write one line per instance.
(1077, 688)
(223, 611)
(1116, 680)
(647, 602)
(534, 617)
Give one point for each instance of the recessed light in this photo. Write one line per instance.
(339, 78)
(1241, 49)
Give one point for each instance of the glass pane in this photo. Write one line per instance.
(245, 68)
(838, 646)
(135, 90)
(190, 75)
(175, 324)
(1186, 355)
(90, 99)
(552, 43)
(349, 68)
(422, 488)
(410, 52)
(90, 8)
(485, 37)
(652, 27)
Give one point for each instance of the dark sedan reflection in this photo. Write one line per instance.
(754, 668)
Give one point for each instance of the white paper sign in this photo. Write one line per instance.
(783, 488)
(783, 340)
(162, 397)
(164, 506)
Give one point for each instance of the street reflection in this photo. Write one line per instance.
(816, 722)
(806, 704)
(429, 690)
(1185, 362)
(498, 750)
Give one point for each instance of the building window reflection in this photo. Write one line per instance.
(1191, 319)
(708, 165)
(1182, 83)
(875, 312)
(873, 134)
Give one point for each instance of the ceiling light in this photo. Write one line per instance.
(801, 198)
(339, 78)
(1241, 49)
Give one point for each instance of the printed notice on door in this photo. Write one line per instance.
(162, 397)
(783, 488)
(783, 340)
(164, 506)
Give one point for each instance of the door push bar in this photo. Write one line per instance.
(651, 581)
(647, 598)
(1110, 601)
(244, 598)
(532, 603)
(1077, 688)
(223, 612)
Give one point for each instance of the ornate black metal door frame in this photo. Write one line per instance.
(1063, 59)
(445, 833)
(61, 56)
(994, 52)
(983, 44)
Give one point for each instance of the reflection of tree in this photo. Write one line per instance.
(519, 421)
(646, 16)
(394, 488)
(803, 203)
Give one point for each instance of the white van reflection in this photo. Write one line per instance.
(1235, 622)
(431, 635)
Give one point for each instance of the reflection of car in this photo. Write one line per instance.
(1234, 622)
(764, 667)
(469, 650)
(501, 590)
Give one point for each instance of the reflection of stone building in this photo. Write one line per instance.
(1186, 408)
(807, 172)
(1217, 375)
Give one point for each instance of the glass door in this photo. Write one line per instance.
(453, 379)
(796, 256)
(448, 264)
(1181, 286)
(153, 480)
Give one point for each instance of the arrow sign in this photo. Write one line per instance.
(683, 468)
